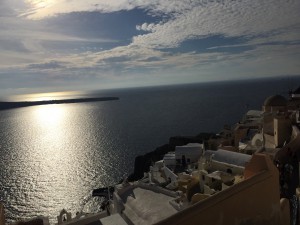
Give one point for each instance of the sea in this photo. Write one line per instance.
(53, 156)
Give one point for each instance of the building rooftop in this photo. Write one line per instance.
(144, 206)
(254, 113)
(114, 219)
(233, 158)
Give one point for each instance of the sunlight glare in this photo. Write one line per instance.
(40, 3)
(47, 96)
(50, 115)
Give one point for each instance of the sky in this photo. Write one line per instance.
(57, 45)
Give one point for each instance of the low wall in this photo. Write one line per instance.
(158, 189)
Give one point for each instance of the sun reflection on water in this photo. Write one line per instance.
(54, 159)
(49, 116)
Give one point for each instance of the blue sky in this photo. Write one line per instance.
(57, 45)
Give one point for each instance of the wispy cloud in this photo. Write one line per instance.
(42, 9)
(48, 65)
(227, 18)
(185, 19)
(41, 40)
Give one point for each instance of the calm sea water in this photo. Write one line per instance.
(52, 156)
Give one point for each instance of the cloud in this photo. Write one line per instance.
(24, 41)
(257, 21)
(133, 66)
(39, 10)
(146, 27)
(127, 59)
(227, 18)
(11, 7)
(47, 65)
(184, 19)
(35, 43)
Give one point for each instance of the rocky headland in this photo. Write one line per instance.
(13, 105)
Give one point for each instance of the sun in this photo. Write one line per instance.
(38, 9)
(37, 4)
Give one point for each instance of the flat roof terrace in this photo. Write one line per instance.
(144, 206)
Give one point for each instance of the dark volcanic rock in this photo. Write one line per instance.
(143, 162)
(12, 105)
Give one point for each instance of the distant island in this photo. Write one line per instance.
(12, 105)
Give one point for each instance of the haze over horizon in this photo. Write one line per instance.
(57, 45)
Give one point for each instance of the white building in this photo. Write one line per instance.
(169, 160)
(189, 153)
(223, 160)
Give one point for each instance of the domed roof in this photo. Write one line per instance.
(275, 100)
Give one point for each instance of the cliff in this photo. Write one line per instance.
(143, 162)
